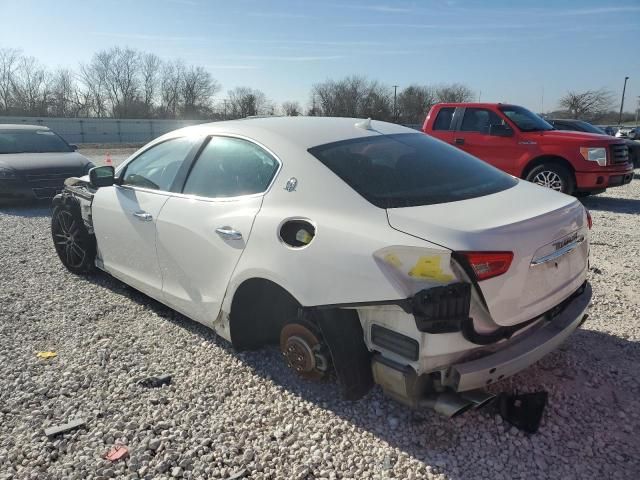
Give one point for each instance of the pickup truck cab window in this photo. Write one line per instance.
(443, 120)
(480, 120)
(157, 167)
(230, 167)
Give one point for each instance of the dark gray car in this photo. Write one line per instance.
(582, 126)
(35, 161)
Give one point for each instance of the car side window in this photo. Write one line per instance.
(157, 167)
(230, 167)
(443, 120)
(479, 120)
(561, 126)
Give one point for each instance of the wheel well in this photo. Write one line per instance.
(259, 310)
(548, 159)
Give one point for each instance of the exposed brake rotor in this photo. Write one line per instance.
(303, 351)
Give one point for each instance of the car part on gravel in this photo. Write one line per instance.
(523, 411)
(116, 453)
(65, 427)
(155, 382)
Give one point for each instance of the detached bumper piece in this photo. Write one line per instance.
(442, 309)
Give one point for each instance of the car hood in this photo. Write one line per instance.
(565, 136)
(43, 162)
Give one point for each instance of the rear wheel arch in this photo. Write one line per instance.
(261, 308)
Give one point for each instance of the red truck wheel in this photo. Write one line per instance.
(555, 177)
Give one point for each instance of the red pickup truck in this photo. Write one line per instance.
(523, 144)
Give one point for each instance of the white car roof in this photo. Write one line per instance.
(301, 132)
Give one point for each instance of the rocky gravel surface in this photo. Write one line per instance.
(230, 415)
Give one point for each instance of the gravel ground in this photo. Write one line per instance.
(230, 415)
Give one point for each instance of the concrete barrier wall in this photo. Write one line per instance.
(104, 130)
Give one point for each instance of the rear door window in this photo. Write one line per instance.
(443, 120)
(409, 169)
(230, 167)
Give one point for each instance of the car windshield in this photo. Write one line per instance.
(587, 127)
(31, 141)
(524, 119)
(410, 169)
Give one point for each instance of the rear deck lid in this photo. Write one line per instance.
(546, 231)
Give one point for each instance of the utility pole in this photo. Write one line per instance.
(479, 95)
(542, 101)
(395, 97)
(224, 102)
(622, 101)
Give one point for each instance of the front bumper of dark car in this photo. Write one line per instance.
(32, 187)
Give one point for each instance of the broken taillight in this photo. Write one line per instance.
(488, 264)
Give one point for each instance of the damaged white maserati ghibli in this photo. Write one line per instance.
(368, 252)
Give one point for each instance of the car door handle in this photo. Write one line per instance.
(458, 141)
(143, 216)
(230, 233)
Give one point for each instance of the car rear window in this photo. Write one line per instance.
(410, 169)
(32, 141)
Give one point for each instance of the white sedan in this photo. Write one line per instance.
(367, 251)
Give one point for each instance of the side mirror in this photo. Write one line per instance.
(499, 130)
(102, 176)
(73, 147)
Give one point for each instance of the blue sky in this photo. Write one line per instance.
(509, 50)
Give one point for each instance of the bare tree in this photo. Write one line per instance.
(150, 71)
(170, 82)
(31, 91)
(353, 96)
(454, 93)
(414, 102)
(94, 90)
(246, 102)
(9, 61)
(588, 104)
(197, 90)
(291, 109)
(64, 91)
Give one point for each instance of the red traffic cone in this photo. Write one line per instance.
(108, 160)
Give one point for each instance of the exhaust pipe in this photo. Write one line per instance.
(448, 404)
(478, 398)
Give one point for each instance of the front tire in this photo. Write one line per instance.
(75, 246)
(553, 176)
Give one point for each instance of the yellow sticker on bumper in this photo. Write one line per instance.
(429, 268)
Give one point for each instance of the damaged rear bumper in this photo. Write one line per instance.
(521, 352)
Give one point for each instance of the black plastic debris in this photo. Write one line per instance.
(155, 382)
(58, 429)
(523, 411)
